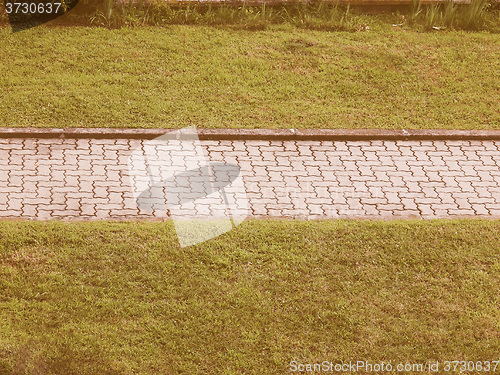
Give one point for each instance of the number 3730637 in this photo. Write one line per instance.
(32, 8)
(462, 366)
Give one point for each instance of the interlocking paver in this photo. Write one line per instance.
(89, 178)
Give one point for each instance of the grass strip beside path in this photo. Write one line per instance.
(282, 77)
(123, 298)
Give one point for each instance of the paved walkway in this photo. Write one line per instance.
(89, 178)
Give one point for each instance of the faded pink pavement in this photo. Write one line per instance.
(75, 179)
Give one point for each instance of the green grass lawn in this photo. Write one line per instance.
(219, 77)
(123, 298)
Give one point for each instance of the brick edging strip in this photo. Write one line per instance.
(259, 134)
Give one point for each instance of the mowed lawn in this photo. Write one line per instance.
(282, 77)
(124, 298)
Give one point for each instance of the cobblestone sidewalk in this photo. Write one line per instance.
(89, 178)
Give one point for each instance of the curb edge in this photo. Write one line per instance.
(259, 134)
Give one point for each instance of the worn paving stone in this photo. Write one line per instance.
(85, 179)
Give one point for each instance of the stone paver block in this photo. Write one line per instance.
(88, 178)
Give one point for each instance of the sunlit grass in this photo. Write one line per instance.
(282, 77)
(124, 298)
